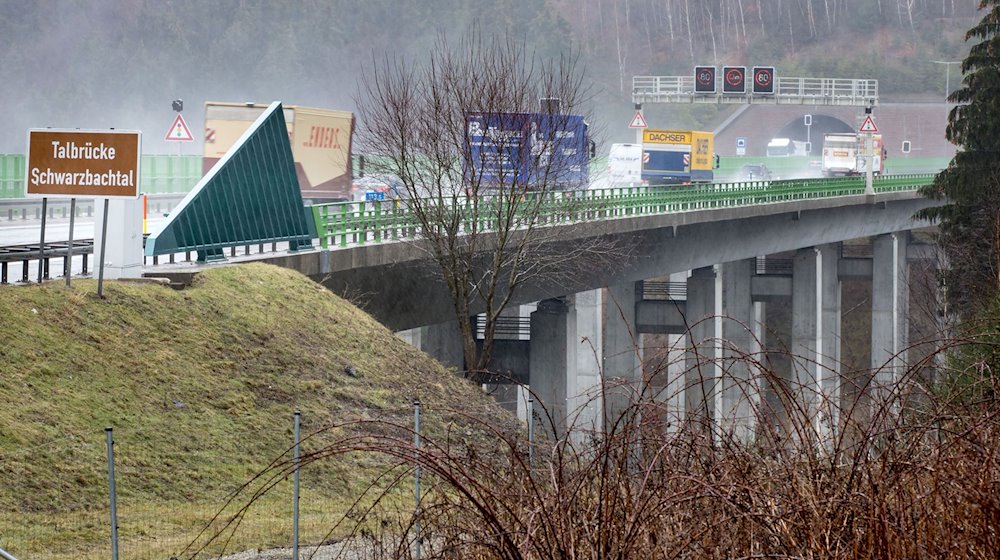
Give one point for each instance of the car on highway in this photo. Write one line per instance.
(377, 188)
(754, 172)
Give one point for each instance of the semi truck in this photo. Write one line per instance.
(671, 157)
(665, 157)
(844, 154)
(320, 139)
(531, 149)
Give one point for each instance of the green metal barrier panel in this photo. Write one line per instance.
(163, 174)
(347, 223)
(251, 196)
(11, 176)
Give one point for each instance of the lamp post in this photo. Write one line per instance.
(947, 75)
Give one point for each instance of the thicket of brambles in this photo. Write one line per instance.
(912, 472)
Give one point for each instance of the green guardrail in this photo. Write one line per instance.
(159, 174)
(347, 223)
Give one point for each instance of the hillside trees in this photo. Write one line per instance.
(970, 221)
(481, 212)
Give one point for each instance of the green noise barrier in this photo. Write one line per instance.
(251, 196)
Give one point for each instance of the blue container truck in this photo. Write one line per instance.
(543, 150)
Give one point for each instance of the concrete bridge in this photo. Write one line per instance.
(586, 332)
(591, 330)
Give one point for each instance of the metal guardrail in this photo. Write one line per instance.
(24, 254)
(340, 224)
(31, 208)
(344, 223)
(788, 90)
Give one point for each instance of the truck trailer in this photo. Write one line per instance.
(320, 139)
(665, 157)
(844, 154)
(535, 150)
(671, 157)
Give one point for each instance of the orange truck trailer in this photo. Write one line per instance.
(320, 139)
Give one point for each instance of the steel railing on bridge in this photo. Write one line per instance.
(347, 223)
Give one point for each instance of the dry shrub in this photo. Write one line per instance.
(921, 480)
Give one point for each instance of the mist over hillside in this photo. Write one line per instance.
(119, 63)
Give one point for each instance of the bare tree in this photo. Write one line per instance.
(456, 130)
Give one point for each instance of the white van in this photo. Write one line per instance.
(625, 165)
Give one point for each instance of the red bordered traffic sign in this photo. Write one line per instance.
(179, 131)
(638, 121)
(868, 125)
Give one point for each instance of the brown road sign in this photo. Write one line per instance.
(83, 163)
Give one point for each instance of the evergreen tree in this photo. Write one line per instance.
(970, 220)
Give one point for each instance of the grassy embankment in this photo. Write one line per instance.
(200, 386)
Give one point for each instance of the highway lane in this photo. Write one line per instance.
(20, 232)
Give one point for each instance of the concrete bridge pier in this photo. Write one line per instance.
(890, 309)
(741, 347)
(442, 341)
(552, 362)
(621, 355)
(584, 400)
(815, 383)
(665, 365)
(702, 397)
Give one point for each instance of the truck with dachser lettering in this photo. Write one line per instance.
(677, 157)
(320, 140)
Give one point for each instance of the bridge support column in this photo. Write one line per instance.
(815, 385)
(553, 360)
(740, 391)
(830, 319)
(585, 388)
(701, 361)
(443, 342)
(622, 369)
(890, 296)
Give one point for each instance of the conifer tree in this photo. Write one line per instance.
(970, 221)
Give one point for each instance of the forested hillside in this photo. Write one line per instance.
(892, 40)
(118, 63)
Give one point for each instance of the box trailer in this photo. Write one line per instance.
(320, 140)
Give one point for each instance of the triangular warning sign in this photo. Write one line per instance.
(179, 131)
(637, 121)
(868, 125)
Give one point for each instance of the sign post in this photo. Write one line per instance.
(638, 123)
(84, 163)
(868, 128)
(179, 131)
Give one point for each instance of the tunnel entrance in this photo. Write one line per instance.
(796, 130)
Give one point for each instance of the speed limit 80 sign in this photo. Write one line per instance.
(763, 80)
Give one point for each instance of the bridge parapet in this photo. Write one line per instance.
(359, 223)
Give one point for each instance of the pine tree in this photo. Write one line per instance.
(970, 221)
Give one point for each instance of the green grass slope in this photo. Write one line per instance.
(200, 386)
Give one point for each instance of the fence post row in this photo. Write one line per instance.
(295, 488)
(113, 493)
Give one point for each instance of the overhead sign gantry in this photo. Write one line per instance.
(736, 85)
